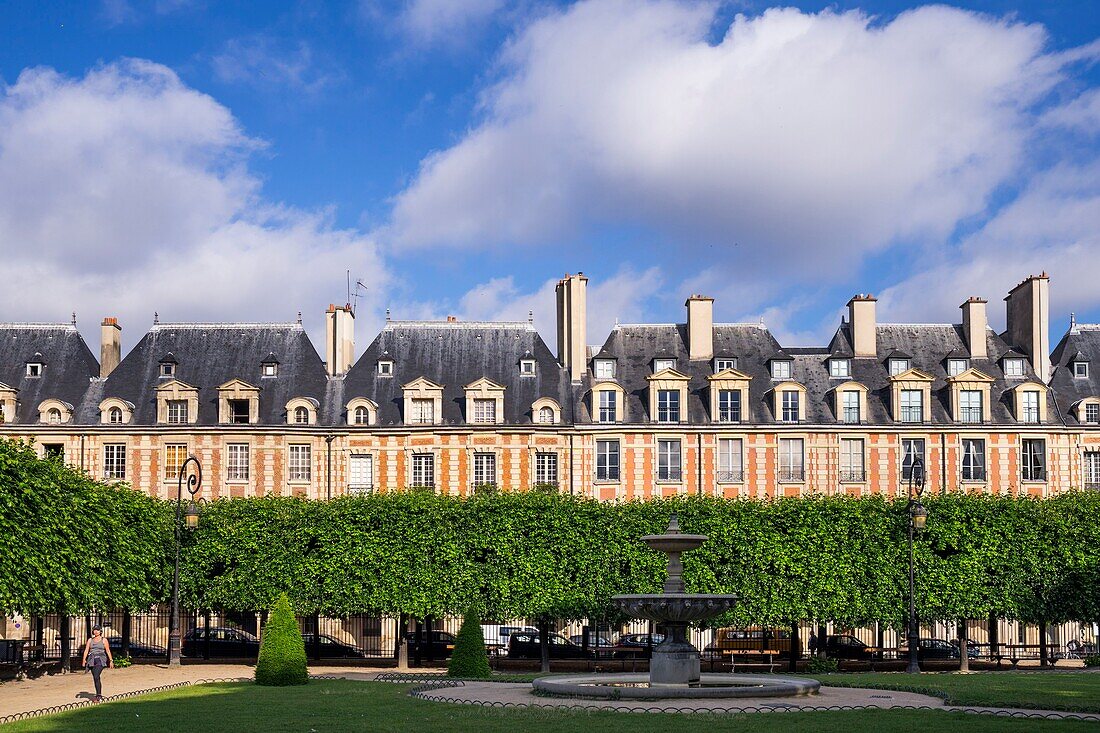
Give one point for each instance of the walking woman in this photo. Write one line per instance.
(97, 655)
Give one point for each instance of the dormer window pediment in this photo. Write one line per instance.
(177, 402)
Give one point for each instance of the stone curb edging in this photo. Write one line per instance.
(947, 699)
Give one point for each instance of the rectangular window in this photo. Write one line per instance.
(360, 473)
(301, 468)
(546, 468)
(34, 370)
(608, 412)
(851, 459)
(790, 406)
(237, 465)
(423, 470)
(177, 412)
(668, 405)
(781, 369)
(898, 366)
(174, 456)
(790, 460)
(527, 367)
(54, 450)
(1034, 459)
(485, 411)
(730, 464)
(970, 405)
(270, 369)
(385, 368)
(423, 412)
(973, 459)
(1030, 403)
(1081, 369)
(1014, 367)
(485, 469)
(607, 460)
(238, 412)
(114, 461)
(729, 405)
(1092, 471)
(662, 364)
(956, 367)
(851, 406)
(605, 369)
(912, 405)
(721, 365)
(840, 368)
(1092, 412)
(668, 460)
(912, 449)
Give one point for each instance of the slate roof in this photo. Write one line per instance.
(208, 355)
(926, 345)
(68, 365)
(455, 354)
(1081, 343)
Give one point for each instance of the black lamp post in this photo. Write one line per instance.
(918, 517)
(191, 517)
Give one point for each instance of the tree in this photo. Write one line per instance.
(282, 651)
(469, 659)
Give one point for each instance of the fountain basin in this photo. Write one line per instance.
(638, 687)
(676, 608)
(674, 542)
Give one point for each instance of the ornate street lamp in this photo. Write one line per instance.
(918, 517)
(191, 517)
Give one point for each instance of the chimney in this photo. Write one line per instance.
(339, 339)
(975, 324)
(572, 292)
(110, 346)
(861, 319)
(1027, 312)
(700, 327)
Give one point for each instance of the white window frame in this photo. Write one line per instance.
(485, 410)
(361, 484)
(385, 368)
(270, 370)
(790, 402)
(361, 415)
(422, 470)
(660, 365)
(545, 415)
(301, 415)
(1092, 412)
(605, 368)
(237, 465)
(973, 464)
(485, 468)
(721, 365)
(1029, 406)
(909, 454)
(792, 460)
(971, 406)
(527, 367)
(849, 412)
(608, 460)
(731, 460)
(179, 408)
(907, 410)
(1014, 368)
(955, 367)
(167, 369)
(609, 405)
(34, 369)
(1090, 470)
(1033, 464)
(781, 369)
(899, 366)
(115, 416)
(840, 368)
(1080, 370)
(300, 462)
(669, 460)
(729, 405)
(423, 410)
(179, 452)
(546, 467)
(114, 461)
(852, 464)
(669, 409)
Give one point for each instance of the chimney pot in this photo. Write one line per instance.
(110, 346)
(862, 325)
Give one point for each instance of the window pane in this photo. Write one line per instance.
(790, 459)
(300, 464)
(485, 468)
(237, 465)
(851, 406)
(781, 370)
(912, 407)
(114, 461)
(1034, 460)
(970, 406)
(729, 405)
(1092, 413)
(607, 460)
(423, 411)
(607, 405)
(911, 450)
(897, 366)
(423, 470)
(790, 406)
(851, 460)
(546, 468)
(668, 405)
(485, 411)
(668, 460)
(177, 412)
(840, 368)
(729, 460)
(174, 456)
(973, 468)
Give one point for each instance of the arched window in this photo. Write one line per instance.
(114, 416)
(53, 416)
(301, 416)
(546, 415)
(362, 415)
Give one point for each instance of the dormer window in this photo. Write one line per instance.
(270, 370)
(781, 369)
(1080, 369)
(301, 416)
(1014, 367)
(721, 365)
(385, 368)
(114, 416)
(659, 365)
(898, 366)
(238, 411)
(527, 367)
(53, 416)
(1092, 412)
(34, 369)
(605, 368)
(956, 367)
(361, 416)
(167, 370)
(840, 368)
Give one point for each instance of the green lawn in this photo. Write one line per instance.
(342, 705)
(1049, 690)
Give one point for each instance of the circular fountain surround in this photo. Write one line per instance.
(638, 687)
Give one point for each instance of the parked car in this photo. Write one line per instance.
(430, 644)
(846, 646)
(496, 637)
(525, 645)
(137, 650)
(636, 646)
(331, 648)
(931, 649)
(225, 642)
(599, 644)
(746, 642)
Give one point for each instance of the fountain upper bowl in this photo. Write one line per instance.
(674, 542)
(675, 607)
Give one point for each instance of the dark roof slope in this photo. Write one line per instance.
(1081, 342)
(68, 365)
(210, 354)
(455, 354)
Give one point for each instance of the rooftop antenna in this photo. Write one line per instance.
(299, 318)
(74, 318)
(360, 288)
(1072, 320)
(156, 318)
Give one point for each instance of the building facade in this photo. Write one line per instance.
(656, 410)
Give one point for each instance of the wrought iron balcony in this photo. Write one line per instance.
(731, 477)
(360, 489)
(670, 474)
(792, 474)
(853, 476)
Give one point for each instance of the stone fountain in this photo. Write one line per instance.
(675, 661)
(674, 670)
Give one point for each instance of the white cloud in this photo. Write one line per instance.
(266, 62)
(807, 139)
(125, 192)
(436, 23)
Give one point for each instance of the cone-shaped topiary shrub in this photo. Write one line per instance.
(469, 658)
(282, 651)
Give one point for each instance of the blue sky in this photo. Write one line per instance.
(228, 161)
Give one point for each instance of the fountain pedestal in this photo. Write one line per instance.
(675, 661)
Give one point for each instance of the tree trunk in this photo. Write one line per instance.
(796, 649)
(544, 645)
(1043, 650)
(994, 641)
(66, 643)
(964, 647)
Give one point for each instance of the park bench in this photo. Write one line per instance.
(740, 655)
